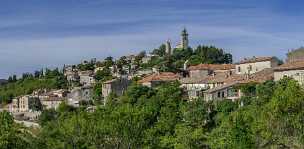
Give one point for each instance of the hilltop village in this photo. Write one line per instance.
(93, 81)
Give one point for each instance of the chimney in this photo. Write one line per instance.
(185, 64)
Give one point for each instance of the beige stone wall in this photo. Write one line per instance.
(24, 104)
(198, 73)
(106, 90)
(255, 67)
(295, 74)
(222, 94)
(49, 104)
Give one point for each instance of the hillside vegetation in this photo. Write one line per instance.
(271, 117)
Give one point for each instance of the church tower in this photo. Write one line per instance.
(184, 40)
(168, 48)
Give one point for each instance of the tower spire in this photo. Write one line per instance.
(184, 40)
(168, 47)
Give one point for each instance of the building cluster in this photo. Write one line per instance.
(208, 81)
(222, 81)
(29, 107)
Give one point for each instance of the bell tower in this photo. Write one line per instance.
(184, 40)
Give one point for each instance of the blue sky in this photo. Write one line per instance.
(50, 33)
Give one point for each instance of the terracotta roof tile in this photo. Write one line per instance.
(163, 76)
(290, 66)
(212, 67)
(221, 87)
(261, 76)
(255, 59)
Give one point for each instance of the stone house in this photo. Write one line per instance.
(159, 78)
(14, 106)
(51, 102)
(115, 86)
(194, 87)
(25, 103)
(78, 94)
(52, 99)
(86, 78)
(229, 87)
(71, 73)
(72, 76)
(255, 64)
(227, 91)
(203, 70)
(294, 70)
(295, 55)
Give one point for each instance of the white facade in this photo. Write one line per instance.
(195, 90)
(87, 80)
(250, 68)
(51, 104)
(295, 74)
(228, 92)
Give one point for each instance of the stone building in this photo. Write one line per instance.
(159, 78)
(51, 102)
(227, 88)
(115, 86)
(227, 91)
(78, 94)
(255, 64)
(295, 55)
(203, 70)
(14, 106)
(86, 78)
(25, 103)
(194, 87)
(71, 73)
(184, 43)
(293, 69)
(52, 99)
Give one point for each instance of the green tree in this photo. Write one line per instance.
(11, 134)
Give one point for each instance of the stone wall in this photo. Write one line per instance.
(255, 67)
(199, 73)
(295, 74)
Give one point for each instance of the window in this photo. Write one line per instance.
(232, 92)
(250, 68)
(223, 94)
(219, 94)
(239, 69)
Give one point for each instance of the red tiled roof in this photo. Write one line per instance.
(212, 67)
(255, 59)
(163, 76)
(261, 76)
(290, 66)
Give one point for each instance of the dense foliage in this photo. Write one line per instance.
(51, 79)
(160, 118)
(198, 55)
